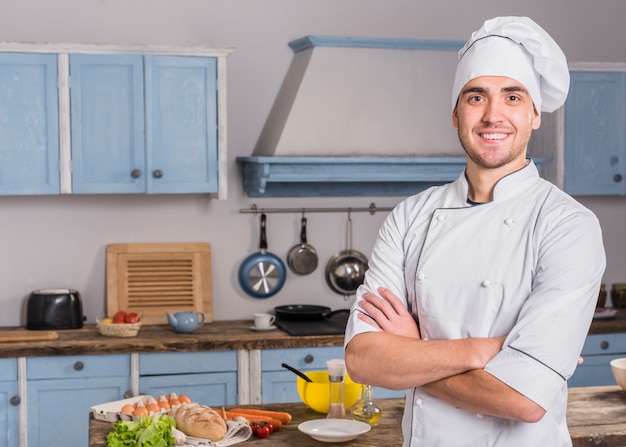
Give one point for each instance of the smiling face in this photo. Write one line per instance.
(495, 117)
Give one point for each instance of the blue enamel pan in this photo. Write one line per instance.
(262, 274)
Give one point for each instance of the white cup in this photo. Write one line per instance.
(263, 321)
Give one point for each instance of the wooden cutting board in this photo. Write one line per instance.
(26, 335)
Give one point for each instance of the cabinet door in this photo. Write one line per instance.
(209, 378)
(9, 403)
(595, 140)
(107, 124)
(29, 126)
(598, 351)
(62, 390)
(181, 111)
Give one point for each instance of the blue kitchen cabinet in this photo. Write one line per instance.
(9, 403)
(62, 390)
(598, 351)
(595, 134)
(29, 147)
(279, 385)
(143, 124)
(207, 377)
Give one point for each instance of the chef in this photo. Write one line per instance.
(480, 293)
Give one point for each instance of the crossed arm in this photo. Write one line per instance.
(396, 357)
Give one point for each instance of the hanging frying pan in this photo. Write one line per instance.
(262, 274)
(345, 271)
(302, 258)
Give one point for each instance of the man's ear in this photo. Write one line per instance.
(455, 117)
(536, 119)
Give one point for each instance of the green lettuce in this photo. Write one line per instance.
(150, 431)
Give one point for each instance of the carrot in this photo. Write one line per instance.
(282, 416)
(275, 422)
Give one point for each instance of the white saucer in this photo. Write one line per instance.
(334, 430)
(263, 329)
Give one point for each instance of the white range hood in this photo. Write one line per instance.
(359, 116)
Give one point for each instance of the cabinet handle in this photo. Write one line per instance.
(157, 174)
(309, 358)
(79, 366)
(135, 173)
(604, 344)
(617, 178)
(15, 401)
(128, 394)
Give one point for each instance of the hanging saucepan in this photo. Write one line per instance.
(345, 271)
(262, 274)
(305, 312)
(302, 258)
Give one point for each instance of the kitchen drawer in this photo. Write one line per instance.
(187, 362)
(605, 344)
(8, 369)
(302, 358)
(213, 389)
(78, 366)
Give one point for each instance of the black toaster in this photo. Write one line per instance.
(54, 309)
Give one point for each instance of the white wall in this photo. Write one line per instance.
(60, 241)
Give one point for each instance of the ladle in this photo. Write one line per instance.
(299, 373)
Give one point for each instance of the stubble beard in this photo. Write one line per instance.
(503, 159)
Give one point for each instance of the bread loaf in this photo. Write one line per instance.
(199, 421)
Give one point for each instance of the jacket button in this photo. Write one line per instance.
(485, 283)
(509, 221)
(441, 218)
(421, 276)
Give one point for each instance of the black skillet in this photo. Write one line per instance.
(262, 274)
(305, 312)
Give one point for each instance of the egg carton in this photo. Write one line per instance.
(110, 411)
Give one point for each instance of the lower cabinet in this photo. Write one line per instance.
(9, 403)
(62, 390)
(206, 377)
(279, 385)
(597, 354)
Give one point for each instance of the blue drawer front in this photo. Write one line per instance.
(78, 366)
(605, 344)
(187, 362)
(302, 358)
(213, 389)
(8, 369)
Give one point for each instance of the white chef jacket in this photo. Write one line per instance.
(527, 265)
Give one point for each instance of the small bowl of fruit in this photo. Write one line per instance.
(122, 324)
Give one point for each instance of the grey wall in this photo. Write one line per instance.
(60, 241)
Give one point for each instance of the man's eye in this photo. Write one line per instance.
(475, 98)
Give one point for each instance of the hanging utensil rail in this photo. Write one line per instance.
(372, 209)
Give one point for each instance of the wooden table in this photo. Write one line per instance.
(596, 417)
(388, 431)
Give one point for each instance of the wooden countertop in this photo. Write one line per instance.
(215, 336)
(596, 417)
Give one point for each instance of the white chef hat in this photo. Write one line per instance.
(518, 48)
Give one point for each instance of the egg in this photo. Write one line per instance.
(127, 409)
(153, 408)
(174, 403)
(141, 410)
(163, 403)
(184, 399)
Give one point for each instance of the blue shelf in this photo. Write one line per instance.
(345, 176)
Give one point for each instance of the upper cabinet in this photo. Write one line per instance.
(29, 125)
(595, 133)
(113, 120)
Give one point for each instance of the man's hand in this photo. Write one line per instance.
(387, 313)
